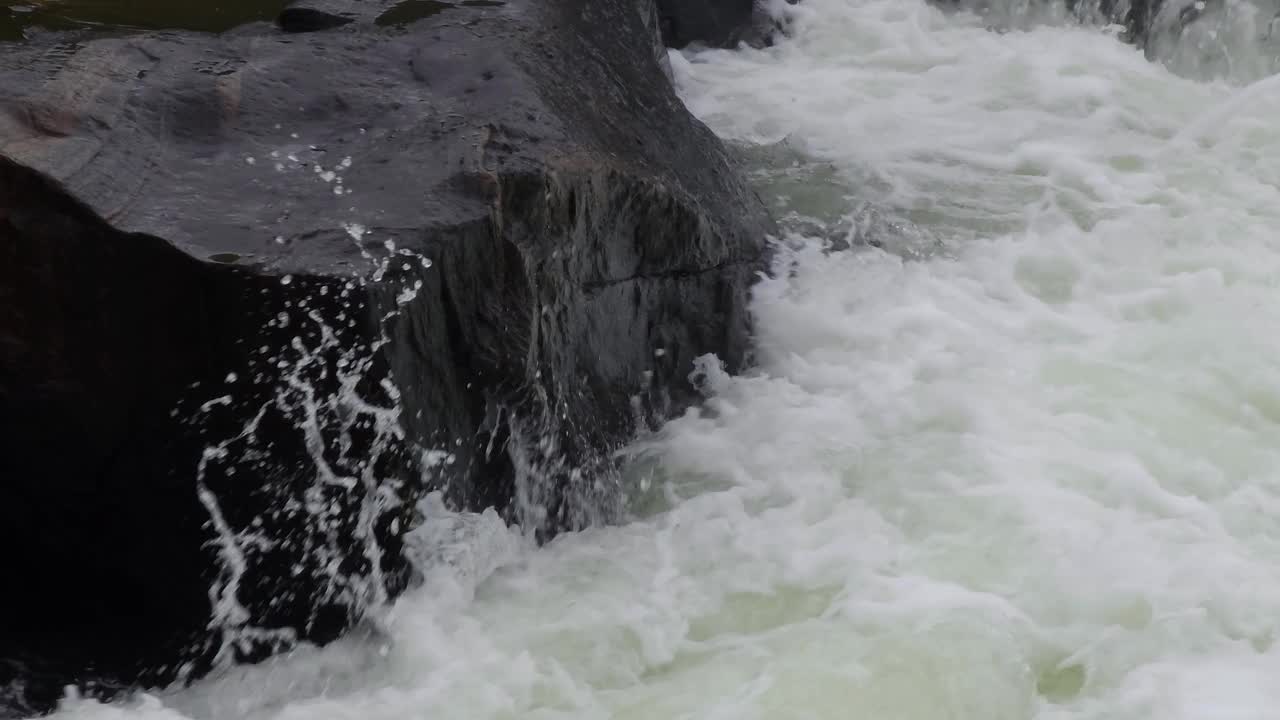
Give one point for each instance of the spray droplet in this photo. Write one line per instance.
(356, 232)
(279, 239)
(286, 279)
(232, 377)
(250, 160)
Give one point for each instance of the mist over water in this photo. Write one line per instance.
(1012, 449)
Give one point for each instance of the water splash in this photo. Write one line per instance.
(331, 395)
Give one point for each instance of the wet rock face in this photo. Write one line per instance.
(260, 292)
(175, 419)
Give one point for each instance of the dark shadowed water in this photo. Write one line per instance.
(19, 18)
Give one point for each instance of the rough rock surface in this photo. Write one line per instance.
(260, 291)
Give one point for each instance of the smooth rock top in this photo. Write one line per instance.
(214, 144)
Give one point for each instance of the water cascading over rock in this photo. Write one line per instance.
(1152, 25)
(260, 291)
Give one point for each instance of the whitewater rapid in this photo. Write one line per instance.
(1019, 458)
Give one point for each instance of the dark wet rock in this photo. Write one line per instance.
(714, 23)
(1137, 17)
(261, 291)
(309, 19)
(1148, 22)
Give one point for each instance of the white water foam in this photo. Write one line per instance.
(1035, 473)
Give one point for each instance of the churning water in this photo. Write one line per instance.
(1012, 449)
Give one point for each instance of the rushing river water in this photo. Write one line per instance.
(1014, 454)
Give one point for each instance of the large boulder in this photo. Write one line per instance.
(261, 291)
